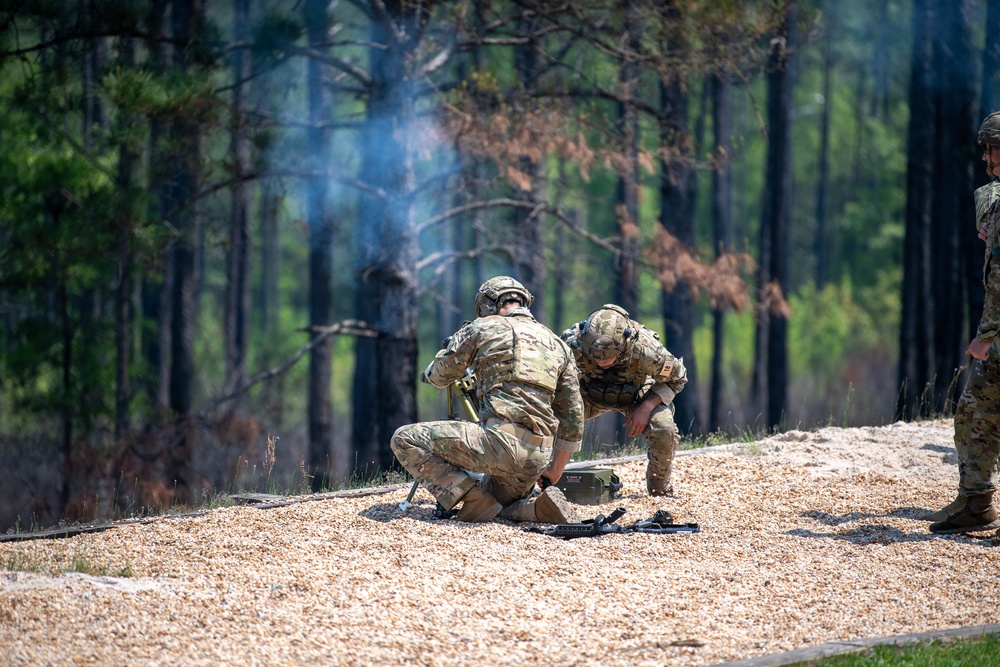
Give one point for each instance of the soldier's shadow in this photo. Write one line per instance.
(827, 519)
(950, 454)
(882, 533)
(419, 510)
(423, 510)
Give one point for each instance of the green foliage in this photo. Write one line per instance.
(49, 268)
(832, 333)
(827, 327)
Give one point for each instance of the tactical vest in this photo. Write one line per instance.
(622, 385)
(611, 395)
(522, 350)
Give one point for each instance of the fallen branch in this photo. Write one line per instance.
(346, 328)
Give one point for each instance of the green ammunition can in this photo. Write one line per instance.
(589, 486)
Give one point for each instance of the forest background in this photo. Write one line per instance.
(232, 232)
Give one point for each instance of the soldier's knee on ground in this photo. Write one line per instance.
(478, 506)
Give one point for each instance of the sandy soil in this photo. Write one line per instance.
(807, 537)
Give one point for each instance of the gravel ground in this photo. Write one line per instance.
(806, 538)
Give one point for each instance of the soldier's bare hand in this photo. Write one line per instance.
(979, 349)
(638, 420)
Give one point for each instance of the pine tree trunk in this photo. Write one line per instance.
(627, 286)
(321, 234)
(953, 236)
(385, 381)
(127, 162)
(820, 242)
(722, 183)
(918, 308)
(184, 164)
(238, 279)
(156, 289)
(530, 260)
(677, 216)
(777, 193)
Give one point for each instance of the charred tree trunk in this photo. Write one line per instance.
(918, 308)
(187, 20)
(238, 278)
(677, 217)
(530, 260)
(385, 381)
(627, 286)
(321, 234)
(772, 340)
(722, 185)
(156, 289)
(677, 199)
(952, 205)
(820, 243)
(127, 162)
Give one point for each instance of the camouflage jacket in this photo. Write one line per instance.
(988, 214)
(525, 375)
(646, 366)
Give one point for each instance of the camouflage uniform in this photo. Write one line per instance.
(529, 403)
(643, 366)
(977, 419)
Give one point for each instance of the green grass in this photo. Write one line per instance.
(80, 561)
(84, 565)
(975, 652)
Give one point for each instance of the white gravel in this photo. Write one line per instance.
(806, 538)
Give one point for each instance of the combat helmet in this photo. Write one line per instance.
(989, 131)
(606, 333)
(493, 292)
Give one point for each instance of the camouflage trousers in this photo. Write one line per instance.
(661, 432)
(442, 453)
(977, 428)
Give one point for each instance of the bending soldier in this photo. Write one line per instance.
(624, 368)
(531, 415)
(977, 419)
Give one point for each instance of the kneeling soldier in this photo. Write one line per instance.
(531, 415)
(624, 367)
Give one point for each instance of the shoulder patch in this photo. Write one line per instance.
(668, 366)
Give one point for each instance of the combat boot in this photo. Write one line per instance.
(551, 506)
(954, 506)
(478, 506)
(519, 510)
(977, 514)
(658, 484)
